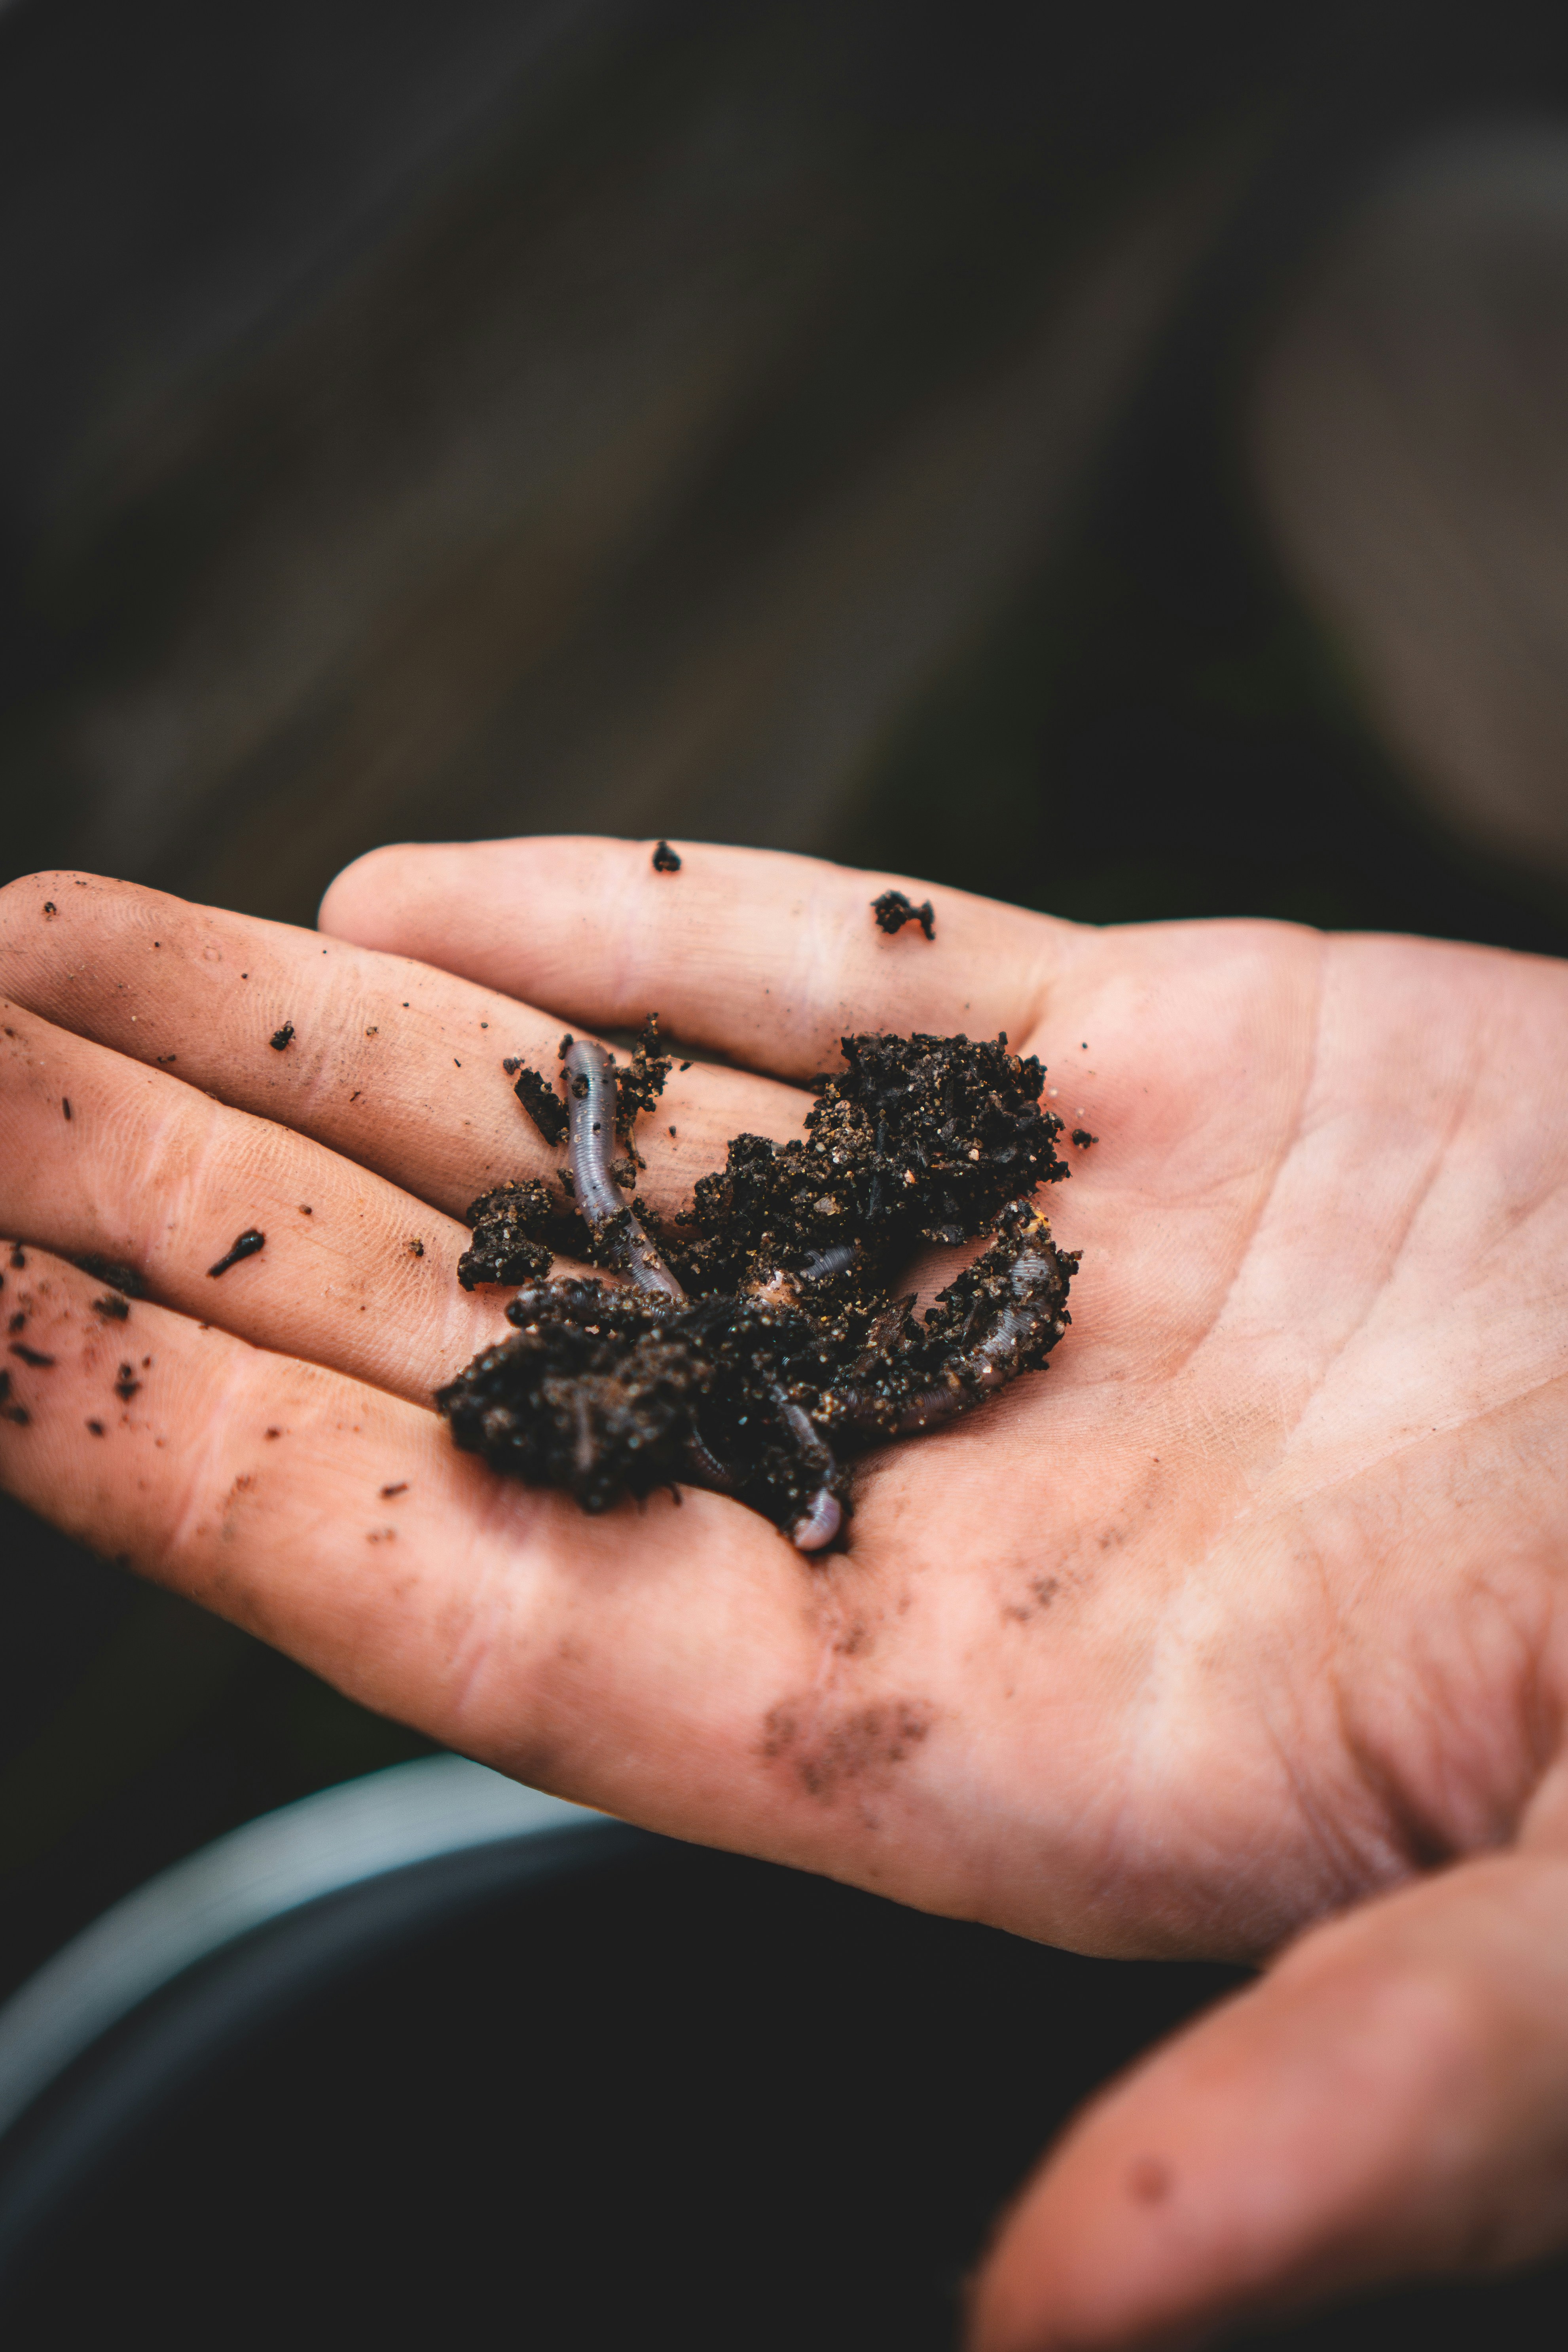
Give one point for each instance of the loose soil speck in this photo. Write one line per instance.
(893, 910)
(245, 1245)
(542, 1104)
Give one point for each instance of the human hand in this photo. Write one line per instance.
(1244, 1615)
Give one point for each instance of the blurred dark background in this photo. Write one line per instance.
(1115, 460)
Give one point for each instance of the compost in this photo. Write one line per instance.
(758, 1341)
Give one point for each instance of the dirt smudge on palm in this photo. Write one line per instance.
(831, 1751)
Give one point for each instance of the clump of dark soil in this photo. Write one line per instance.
(893, 910)
(921, 1139)
(538, 1099)
(760, 1337)
(114, 1272)
(244, 1245)
(509, 1225)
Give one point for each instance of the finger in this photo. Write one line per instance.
(626, 1661)
(394, 1064)
(336, 1522)
(101, 1156)
(1391, 2101)
(765, 958)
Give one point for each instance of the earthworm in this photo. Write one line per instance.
(822, 1522)
(1037, 1287)
(591, 1086)
(591, 1089)
(707, 1467)
(823, 1515)
(822, 1262)
(1036, 1282)
(780, 1286)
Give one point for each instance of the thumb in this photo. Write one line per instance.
(1391, 2099)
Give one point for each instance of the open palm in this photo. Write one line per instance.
(1245, 1612)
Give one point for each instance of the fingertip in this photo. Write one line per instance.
(469, 906)
(1385, 2104)
(354, 904)
(1217, 2183)
(1081, 2260)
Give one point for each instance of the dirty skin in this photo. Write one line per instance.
(759, 1341)
(32, 1303)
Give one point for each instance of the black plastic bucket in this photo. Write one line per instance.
(536, 2078)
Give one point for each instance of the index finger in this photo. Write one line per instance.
(397, 1066)
(770, 959)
